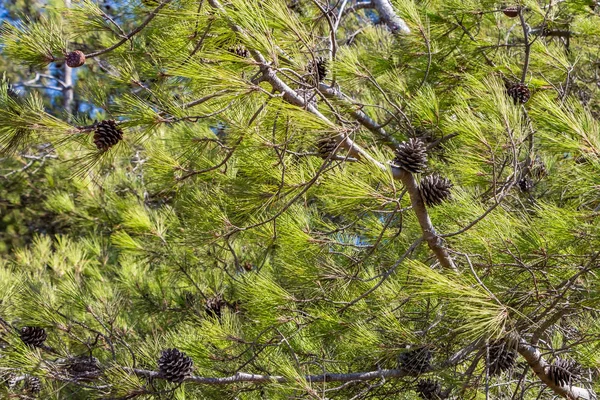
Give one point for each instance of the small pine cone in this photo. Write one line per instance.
(511, 11)
(33, 385)
(429, 389)
(435, 189)
(214, 306)
(75, 59)
(564, 372)
(502, 357)
(525, 184)
(33, 336)
(107, 134)
(326, 146)
(175, 365)
(240, 51)
(519, 92)
(318, 66)
(415, 361)
(411, 156)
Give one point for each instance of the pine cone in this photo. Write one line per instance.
(519, 92)
(175, 365)
(107, 134)
(214, 305)
(318, 66)
(240, 51)
(84, 368)
(525, 184)
(326, 146)
(33, 385)
(502, 357)
(415, 361)
(429, 389)
(33, 336)
(75, 59)
(564, 372)
(411, 156)
(511, 11)
(435, 189)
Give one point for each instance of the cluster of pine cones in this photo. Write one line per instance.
(411, 156)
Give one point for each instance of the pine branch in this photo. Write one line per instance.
(429, 234)
(131, 34)
(536, 361)
(254, 378)
(354, 150)
(389, 16)
(359, 115)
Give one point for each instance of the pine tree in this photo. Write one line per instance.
(313, 199)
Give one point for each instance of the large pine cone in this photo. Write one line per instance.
(411, 156)
(519, 92)
(429, 389)
(33, 336)
(435, 189)
(415, 361)
(564, 372)
(502, 357)
(175, 365)
(107, 134)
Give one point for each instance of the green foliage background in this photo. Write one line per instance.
(116, 254)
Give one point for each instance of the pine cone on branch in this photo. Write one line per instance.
(214, 305)
(511, 11)
(175, 365)
(33, 385)
(411, 156)
(502, 357)
(564, 372)
(326, 145)
(519, 92)
(429, 389)
(435, 189)
(33, 336)
(83, 368)
(415, 361)
(107, 134)
(75, 59)
(318, 67)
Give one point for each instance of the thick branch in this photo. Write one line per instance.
(429, 234)
(359, 115)
(254, 378)
(537, 363)
(389, 16)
